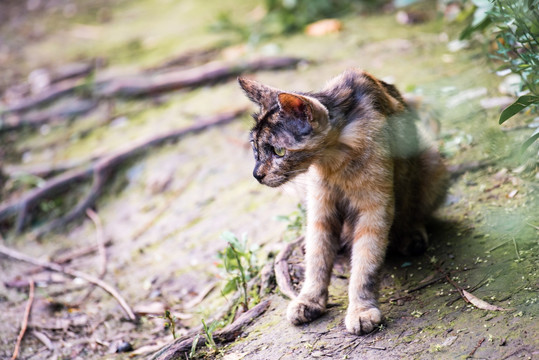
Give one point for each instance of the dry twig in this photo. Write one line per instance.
(13, 254)
(455, 285)
(475, 348)
(100, 240)
(24, 320)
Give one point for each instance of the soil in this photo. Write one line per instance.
(164, 211)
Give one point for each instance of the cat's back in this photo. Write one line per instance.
(355, 94)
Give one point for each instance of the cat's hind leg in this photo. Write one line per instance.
(412, 241)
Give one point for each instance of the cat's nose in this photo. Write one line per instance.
(258, 176)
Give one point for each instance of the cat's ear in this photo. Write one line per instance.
(263, 95)
(304, 108)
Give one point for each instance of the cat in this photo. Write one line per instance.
(372, 180)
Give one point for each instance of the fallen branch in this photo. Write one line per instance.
(203, 75)
(100, 170)
(13, 254)
(24, 320)
(282, 275)
(183, 345)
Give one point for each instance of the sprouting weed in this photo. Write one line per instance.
(170, 322)
(208, 334)
(194, 347)
(240, 265)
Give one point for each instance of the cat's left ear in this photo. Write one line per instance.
(304, 108)
(258, 93)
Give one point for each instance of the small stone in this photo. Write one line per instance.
(124, 346)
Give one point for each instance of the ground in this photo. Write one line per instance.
(164, 211)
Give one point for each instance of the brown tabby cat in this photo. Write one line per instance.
(371, 181)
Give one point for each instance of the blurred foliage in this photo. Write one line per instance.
(513, 26)
(296, 222)
(289, 16)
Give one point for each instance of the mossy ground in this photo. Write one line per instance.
(165, 211)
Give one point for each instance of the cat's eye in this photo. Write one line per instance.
(279, 151)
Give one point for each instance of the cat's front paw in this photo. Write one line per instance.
(302, 310)
(362, 320)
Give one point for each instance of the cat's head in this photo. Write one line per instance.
(289, 131)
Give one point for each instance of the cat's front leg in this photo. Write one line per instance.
(368, 251)
(320, 248)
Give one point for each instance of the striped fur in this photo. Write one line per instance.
(372, 182)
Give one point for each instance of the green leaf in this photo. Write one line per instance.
(530, 141)
(228, 236)
(230, 287)
(513, 109)
(194, 347)
(470, 29)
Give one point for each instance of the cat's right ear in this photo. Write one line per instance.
(260, 94)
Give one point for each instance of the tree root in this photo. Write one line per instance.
(282, 275)
(54, 92)
(150, 84)
(100, 170)
(73, 273)
(190, 58)
(183, 345)
(36, 119)
(203, 75)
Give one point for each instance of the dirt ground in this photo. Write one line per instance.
(164, 211)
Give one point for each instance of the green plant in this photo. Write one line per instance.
(517, 39)
(170, 322)
(296, 222)
(208, 334)
(240, 265)
(194, 345)
(289, 16)
(514, 25)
